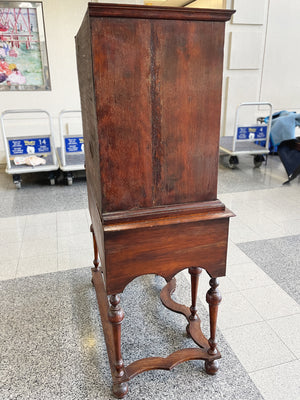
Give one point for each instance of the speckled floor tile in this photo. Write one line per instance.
(271, 301)
(10, 251)
(292, 288)
(7, 205)
(240, 232)
(235, 255)
(236, 180)
(235, 310)
(272, 382)
(78, 242)
(8, 269)
(257, 346)
(39, 247)
(72, 260)
(36, 265)
(11, 235)
(36, 196)
(51, 339)
(61, 347)
(280, 259)
(43, 221)
(13, 223)
(255, 277)
(288, 328)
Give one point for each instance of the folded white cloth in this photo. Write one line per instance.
(31, 160)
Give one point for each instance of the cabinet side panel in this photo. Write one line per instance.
(188, 63)
(122, 87)
(89, 117)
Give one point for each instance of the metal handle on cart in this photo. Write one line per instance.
(259, 103)
(61, 129)
(26, 111)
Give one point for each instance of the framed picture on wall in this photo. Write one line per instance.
(23, 51)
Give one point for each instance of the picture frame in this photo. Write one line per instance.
(23, 49)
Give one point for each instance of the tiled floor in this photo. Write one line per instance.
(46, 229)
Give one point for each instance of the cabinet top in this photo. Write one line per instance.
(154, 12)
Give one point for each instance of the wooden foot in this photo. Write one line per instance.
(120, 389)
(213, 298)
(211, 367)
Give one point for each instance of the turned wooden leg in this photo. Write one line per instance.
(213, 298)
(96, 261)
(115, 316)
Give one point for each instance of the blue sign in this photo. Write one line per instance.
(74, 144)
(252, 132)
(29, 146)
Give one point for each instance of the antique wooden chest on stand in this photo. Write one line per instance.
(150, 83)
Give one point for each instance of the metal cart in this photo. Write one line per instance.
(28, 143)
(71, 152)
(248, 138)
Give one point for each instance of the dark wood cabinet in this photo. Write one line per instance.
(150, 83)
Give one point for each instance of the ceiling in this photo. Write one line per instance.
(170, 3)
(189, 3)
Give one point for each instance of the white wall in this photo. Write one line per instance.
(243, 57)
(62, 20)
(122, 1)
(280, 75)
(261, 58)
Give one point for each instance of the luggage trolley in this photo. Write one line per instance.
(29, 146)
(248, 138)
(71, 152)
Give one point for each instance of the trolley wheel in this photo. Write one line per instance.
(17, 181)
(69, 180)
(233, 162)
(51, 177)
(258, 160)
